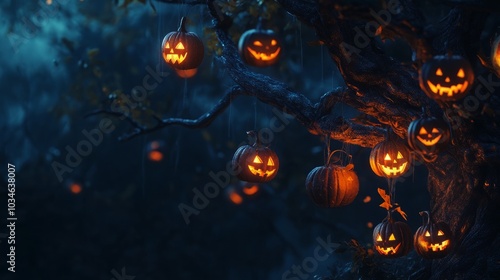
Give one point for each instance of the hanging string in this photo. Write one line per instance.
(143, 164)
(229, 118)
(255, 115)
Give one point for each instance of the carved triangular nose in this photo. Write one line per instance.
(447, 79)
(171, 50)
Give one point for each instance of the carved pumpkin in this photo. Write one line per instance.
(428, 136)
(332, 185)
(256, 163)
(182, 50)
(432, 240)
(446, 77)
(390, 158)
(495, 55)
(392, 239)
(259, 47)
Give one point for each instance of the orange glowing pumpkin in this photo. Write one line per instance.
(183, 50)
(259, 47)
(256, 163)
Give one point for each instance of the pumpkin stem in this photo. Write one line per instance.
(426, 217)
(254, 135)
(182, 25)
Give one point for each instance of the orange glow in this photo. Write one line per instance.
(369, 225)
(75, 188)
(186, 73)
(155, 156)
(251, 190)
(235, 198)
(367, 199)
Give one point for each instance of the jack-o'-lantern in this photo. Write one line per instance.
(259, 47)
(446, 77)
(495, 55)
(428, 136)
(256, 163)
(390, 158)
(432, 240)
(182, 50)
(392, 239)
(332, 185)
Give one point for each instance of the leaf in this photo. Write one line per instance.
(387, 199)
(401, 212)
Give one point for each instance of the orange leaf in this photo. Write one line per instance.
(401, 212)
(387, 199)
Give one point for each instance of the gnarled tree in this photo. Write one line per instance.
(463, 182)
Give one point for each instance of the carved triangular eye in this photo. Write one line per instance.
(461, 73)
(257, 43)
(274, 42)
(422, 131)
(379, 238)
(439, 72)
(387, 157)
(270, 162)
(168, 45)
(440, 233)
(179, 46)
(257, 159)
(400, 156)
(435, 130)
(427, 234)
(392, 238)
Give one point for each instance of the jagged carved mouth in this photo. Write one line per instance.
(261, 172)
(263, 56)
(436, 247)
(388, 250)
(393, 170)
(429, 142)
(175, 58)
(449, 91)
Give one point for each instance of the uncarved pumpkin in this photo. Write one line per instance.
(332, 185)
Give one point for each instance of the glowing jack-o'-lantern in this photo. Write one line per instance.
(255, 163)
(183, 50)
(495, 55)
(432, 240)
(332, 185)
(392, 239)
(259, 47)
(446, 77)
(390, 158)
(428, 136)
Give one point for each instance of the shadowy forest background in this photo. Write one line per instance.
(57, 68)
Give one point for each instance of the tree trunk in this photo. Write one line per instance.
(465, 195)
